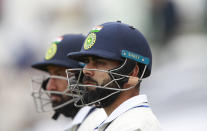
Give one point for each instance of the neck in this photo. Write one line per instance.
(125, 95)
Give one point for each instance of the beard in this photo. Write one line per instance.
(99, 93)
(68, 110)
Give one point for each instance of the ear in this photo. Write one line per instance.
(135, 71)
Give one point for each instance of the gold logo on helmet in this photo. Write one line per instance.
(51, 51)
(90, 40)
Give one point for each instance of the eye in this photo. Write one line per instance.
(71, 74)
(85, 60)
(100, 63)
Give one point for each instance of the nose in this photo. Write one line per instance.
(51, 85)
(88, 72)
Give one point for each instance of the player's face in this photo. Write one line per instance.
(99, 78)
(56, 84)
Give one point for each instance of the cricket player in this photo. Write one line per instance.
(53, 92)
(117, 58)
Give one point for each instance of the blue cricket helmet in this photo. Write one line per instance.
(56, 54)
(116, 41)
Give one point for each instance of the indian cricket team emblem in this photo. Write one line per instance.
(51, 51)
(90, 40)
(53, 48)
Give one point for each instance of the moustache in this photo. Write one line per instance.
(89, 80)
(56, 95)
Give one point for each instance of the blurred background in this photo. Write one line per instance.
(175, 29)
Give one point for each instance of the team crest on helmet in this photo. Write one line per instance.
(51, 51)
(90, 40)
(53, 48)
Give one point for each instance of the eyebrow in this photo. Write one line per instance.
(94, 58)
(98, 58)
(58, 71)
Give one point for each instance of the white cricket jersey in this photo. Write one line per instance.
(93, 120)
(132, 115)
(78, 119)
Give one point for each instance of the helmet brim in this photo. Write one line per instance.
(81, 56)
(43, 65)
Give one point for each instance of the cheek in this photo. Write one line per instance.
(101, 77)
(49, 85)
(62, 85)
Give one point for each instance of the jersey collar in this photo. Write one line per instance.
(79, 117)
(125, 106)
